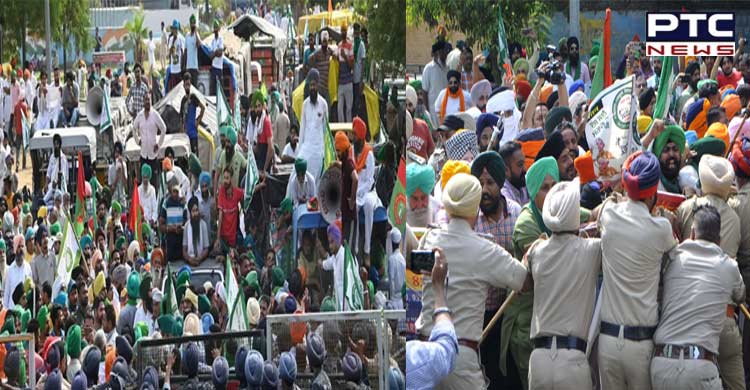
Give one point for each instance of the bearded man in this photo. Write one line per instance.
(421, 207)
(453, 99)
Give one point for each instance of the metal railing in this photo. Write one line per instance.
(22, 338)
(338, 331)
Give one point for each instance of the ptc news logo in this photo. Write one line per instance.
(690, 34)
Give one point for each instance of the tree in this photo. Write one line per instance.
(386, 32)
(478, 20)
(14, 16)
(70, 19)
(137, 32)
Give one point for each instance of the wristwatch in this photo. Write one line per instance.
(441, 310)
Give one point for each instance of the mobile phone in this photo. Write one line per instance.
(422, 261)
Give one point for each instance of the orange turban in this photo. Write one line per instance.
(523, 89)
(732, 105)
(719, 130)
(166, 164)
(360, 129)
(546, 92)
(341, 142)
(452, 167)
(585, 166)
(109, 361)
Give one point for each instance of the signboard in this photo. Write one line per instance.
(109, 57)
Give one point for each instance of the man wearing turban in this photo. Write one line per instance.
(480, 92)
(313, 126)
(630, 271)
(117, 176)
(230, 157)
(259, 132)
(147, 195)
(16, 273)
(503, 104)
(475, 264)
(367, 198)
(320, 61)
(486, 124)
(421, 207)
(349, 185)
(693, 75)
(556, 147)
(206, 203)
(669, 147)
(562, 310)
(576, 68)
(740, 159)
(716, 178)
(452, 99)
(335, 263)
(57, 169)
(301, 187)
(497, 217)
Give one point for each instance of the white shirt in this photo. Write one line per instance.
(187, 238)
(366, 177)
(288, 151)
(142, 315)
(313, 123)
(151, 46)
(178, 42)
(14, 276)
(300, 194)
(396, 278)
(53, 170)
(434, 80)
(148, 202)
(336, 263)
(191, 50)
(218, 43)
(145, 132)
(452, 106)
(54, 96)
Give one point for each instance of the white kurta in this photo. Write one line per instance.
(16, 274)
(300, 194)
(336, 263)
(55, 167)
(148, 202)
(312, 135)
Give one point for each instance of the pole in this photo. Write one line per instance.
(575, 23)
(49, 37)
(496, 317)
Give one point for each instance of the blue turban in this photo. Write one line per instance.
(641, 174)
(334, 232)
(486, 120)
(254, 368)
(205, 178)
(86, 240)
(206, 321)
(351, 365)
(287, 367)
(54, 380)
(239, 361)
(61, 299)
(395, 379)
(220, 372)
(691, 136)
(576, 86)
(151, 376)
(419, 176)
(290, 305)
(79, 381)
(190, 360)
(316, 349)
(270, 375)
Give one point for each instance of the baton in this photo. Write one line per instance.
(496, 317)
(744, 310)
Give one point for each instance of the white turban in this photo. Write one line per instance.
(577, 98)
(716, 174)
(156, 295)
(411, 95)
(481, 88)
(192, 325)
(561, 210)
(253, 311)
(221, 291)
(501, 102)
(462, 195)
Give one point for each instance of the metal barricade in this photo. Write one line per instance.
(29, 349)
(385, 346)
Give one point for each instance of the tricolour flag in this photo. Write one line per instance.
(329, 152)
(26, 129)
(236, 297)
(397, 206)
(603, 71)
(69, 256)
(169, 301)
(105, 121)
(664, 94)
(353, 289)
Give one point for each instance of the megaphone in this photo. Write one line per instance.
(329, 193)
(94, 105)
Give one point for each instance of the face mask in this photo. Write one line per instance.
(510, 124)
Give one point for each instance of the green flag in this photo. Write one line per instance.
(502, 41)
(603, 72)
(70, 254)
(251, 177)
(664, 95)
(105, 121)
(223, 114)
(236, 297)
(169, 302)
(353, 289)
(329, 153)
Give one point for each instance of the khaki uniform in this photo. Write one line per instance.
(633, 243)
(562, 308)
(730, 350)
(474, 264)
(698, 282)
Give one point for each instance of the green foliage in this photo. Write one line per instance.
(477, 19)
(137, 32)
(386, 31)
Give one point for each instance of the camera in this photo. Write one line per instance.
(554, 74)
(422, 260)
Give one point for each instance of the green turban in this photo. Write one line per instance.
(300, 166)
(672, 133)
(537, 172)
(180, 291)
(25, 317)
(416, 84)
(278, 277)
(166, 324)
(183, 278)
(86, 240)
(116, 208)
(286, 206)
(562, 42)
(195, 165)
(42, 316)
(177, 328)
(328, 305)
(54, 229)
(146, 171)
(146, 230)
(371, 289)
(419, 176)
(120, 243)
(251, 279)
(257, 97)
(141, 330)
(134, 285)
(73, 342)
(192, 19)
(230, 133)
(204, 305)
(216, 24)
(521, 63)
(594, 48)
(707, 145)
(2, 245)
(10, 324)
(706, 81)
(493, 163)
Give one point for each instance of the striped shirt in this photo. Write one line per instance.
(502, 234)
